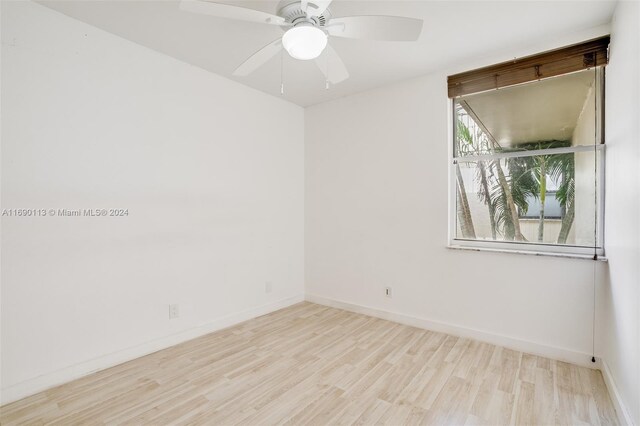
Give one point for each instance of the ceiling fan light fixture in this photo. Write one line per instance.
(304, 42)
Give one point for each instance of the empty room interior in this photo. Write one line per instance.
(317, 212)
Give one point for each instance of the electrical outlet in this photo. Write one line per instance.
(174, 311)
(387, 292)
(268, 287)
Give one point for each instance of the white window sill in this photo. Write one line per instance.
(530, 253)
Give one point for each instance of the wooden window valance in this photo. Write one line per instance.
(530, 68)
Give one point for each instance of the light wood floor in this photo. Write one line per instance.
(309, 364)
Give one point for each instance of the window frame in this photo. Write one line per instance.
(531, 247)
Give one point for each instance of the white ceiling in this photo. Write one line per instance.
(453, 31)
(539, 111)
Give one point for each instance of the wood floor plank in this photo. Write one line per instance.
(315, 365)
(524, 409)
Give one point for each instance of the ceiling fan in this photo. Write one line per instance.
(307, 25)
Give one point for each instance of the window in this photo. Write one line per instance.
(527, 163)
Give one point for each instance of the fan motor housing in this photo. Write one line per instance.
(291, 11)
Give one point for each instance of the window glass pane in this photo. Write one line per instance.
(544, 199)
(555, 112)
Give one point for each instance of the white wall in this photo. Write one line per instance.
(211, 172)
(621, 299)
(376, 215)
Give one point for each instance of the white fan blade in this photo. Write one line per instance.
(230, 12)
(317, 7)
(382, 28)
(259, 58)
(332, 66)
(304, 4)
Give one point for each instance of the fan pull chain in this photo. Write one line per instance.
(281, 72)
(326, 80)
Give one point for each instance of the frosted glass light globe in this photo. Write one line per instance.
(304, 42)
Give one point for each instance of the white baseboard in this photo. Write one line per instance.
(624, 417)
(560, 354)
(49, 380)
